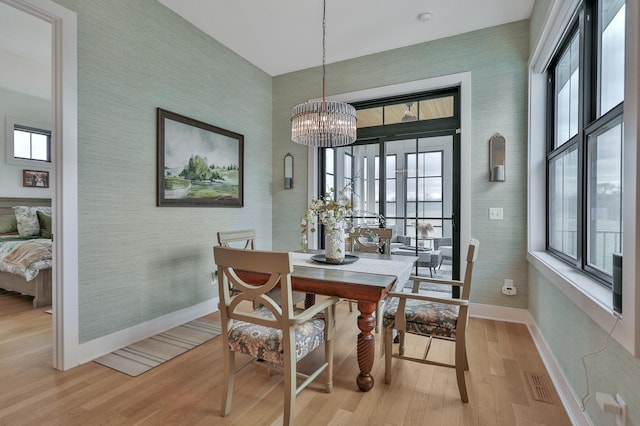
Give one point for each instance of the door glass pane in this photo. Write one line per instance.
(329, 171)
(361, 159)
(605, 197)
(611, 57)
(348, 175)
(563, 202)
(566, 93)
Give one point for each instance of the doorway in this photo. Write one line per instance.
(63, 58)
(417, 185)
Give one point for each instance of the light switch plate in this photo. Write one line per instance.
(495, 213)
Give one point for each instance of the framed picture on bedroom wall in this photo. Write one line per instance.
(199, 164)
(35, 178)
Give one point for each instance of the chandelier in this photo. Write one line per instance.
(323, 123)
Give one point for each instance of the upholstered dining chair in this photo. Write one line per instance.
(433, 317)
(280, 335)
(246, 239)
(371, 240)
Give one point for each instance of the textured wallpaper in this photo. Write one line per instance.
(138, 261)
(497, 60)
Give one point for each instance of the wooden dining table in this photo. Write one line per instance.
(368, 280)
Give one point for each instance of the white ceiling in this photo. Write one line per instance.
(277, 36)
(280, 36)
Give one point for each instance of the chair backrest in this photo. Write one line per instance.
(245, 236)
(439, 242)
(472, 255)
(371, 240)
(273, 267)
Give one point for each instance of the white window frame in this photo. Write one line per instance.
(11, 123)
(591, 297)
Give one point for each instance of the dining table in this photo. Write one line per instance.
(366, 280)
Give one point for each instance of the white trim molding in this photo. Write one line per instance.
(65, 168)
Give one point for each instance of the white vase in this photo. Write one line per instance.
(334, 245)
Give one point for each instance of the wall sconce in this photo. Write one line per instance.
(497, 156)
(288, 171)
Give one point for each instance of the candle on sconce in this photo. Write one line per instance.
(498, 173)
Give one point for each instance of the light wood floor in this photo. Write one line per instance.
(187, 389)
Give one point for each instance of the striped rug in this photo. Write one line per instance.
(142, 356)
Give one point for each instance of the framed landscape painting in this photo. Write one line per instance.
(199, 164)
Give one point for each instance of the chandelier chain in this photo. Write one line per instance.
(324, 47)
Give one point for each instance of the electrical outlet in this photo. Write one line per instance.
(495, 213)
(508, 288)
(509, 291)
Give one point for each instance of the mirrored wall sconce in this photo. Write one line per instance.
(497, 156)
(288, 171)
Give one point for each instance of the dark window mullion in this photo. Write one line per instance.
(585, 112)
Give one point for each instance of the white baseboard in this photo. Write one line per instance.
(104, 345)
(500, 313)
(567, 396)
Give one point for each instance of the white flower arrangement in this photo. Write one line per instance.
(333, 214)
(424, 229)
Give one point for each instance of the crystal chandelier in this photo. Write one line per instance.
(323, 123)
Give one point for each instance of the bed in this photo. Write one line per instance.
(34, 279)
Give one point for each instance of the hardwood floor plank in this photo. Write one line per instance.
(187, 390)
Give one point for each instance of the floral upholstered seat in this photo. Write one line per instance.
(426, 318)
(265, 343)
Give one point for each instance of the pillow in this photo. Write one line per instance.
(8, 223)
(27, 219)
(44, 220)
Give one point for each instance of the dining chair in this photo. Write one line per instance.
(279, 335)
(433, 317)
(246, 239)
(371, 240)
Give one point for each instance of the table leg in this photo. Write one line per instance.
(366, 344)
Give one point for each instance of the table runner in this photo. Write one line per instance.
(398, 266)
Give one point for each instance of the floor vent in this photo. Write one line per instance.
(540, 387)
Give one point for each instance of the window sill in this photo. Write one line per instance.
(593, 298)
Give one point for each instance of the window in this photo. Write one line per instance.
(584, 147)
(27, 142)
(31, 144)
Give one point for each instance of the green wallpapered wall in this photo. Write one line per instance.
(138, 261)
(497, 60)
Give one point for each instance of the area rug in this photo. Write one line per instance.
(146, 354)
